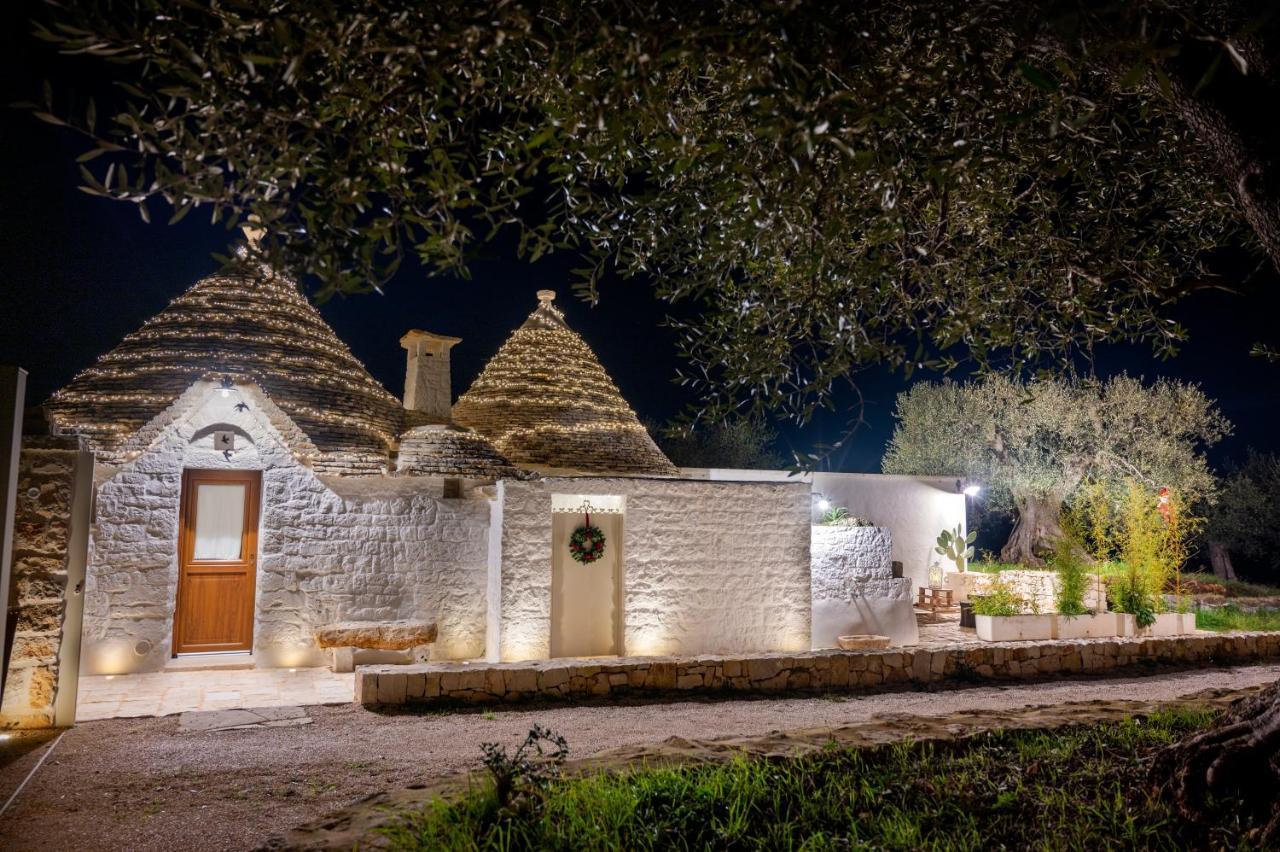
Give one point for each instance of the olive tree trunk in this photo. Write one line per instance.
(1036, 531)
(1238, 757)
(1220, 559)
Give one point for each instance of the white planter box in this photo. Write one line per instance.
(1014, 628)
(1171, 624)
(1103, 624)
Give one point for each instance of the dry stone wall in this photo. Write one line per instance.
(816, 671)
(46, 479)
(330, 549)
(707, 566)
(1039, 589)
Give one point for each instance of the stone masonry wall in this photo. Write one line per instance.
(46, 479)
(707, 566)
(1038, 588)
(340, 549)
(816, 671)
(854, 590)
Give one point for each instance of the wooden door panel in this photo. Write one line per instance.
(216, 596)
(213, 612)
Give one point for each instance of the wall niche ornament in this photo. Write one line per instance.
(586, 544)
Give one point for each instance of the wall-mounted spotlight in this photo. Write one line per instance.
(226, 387)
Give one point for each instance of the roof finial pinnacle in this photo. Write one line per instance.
(546, 296)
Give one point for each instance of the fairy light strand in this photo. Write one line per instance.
(544, 399)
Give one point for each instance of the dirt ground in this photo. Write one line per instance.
(140, 784)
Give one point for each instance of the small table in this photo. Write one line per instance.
(934, 599)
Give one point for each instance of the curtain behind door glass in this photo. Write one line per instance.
(219, 521)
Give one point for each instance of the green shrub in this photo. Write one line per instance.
(1128, 595)
(1073, 578)
(999, 600)
(838, 516)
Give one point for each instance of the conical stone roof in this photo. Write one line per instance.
(545, 400)
(244, 322)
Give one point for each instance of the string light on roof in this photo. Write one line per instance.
(243, 324)
(544, 399)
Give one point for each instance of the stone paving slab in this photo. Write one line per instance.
(171, 692)
(197, 721)
(894, 669)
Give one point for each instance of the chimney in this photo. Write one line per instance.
(426, 379)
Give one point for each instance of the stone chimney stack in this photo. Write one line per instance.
(426, 380)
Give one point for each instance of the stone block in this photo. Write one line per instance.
(662, 675)
(392, 688)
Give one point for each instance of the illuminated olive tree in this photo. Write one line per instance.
(1032, 444)
(901, 184)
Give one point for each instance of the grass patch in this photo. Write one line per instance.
(1231, 617)
(1078, 788)
(1106, 569)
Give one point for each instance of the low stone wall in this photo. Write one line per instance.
(816, 671)
(1035, 587)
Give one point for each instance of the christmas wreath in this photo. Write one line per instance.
(586, 545)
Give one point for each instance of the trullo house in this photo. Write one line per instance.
(254, 485)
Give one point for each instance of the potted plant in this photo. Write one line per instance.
(1075, 620)
(1154, 545)
(1001, 616)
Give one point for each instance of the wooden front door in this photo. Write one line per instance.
(217, 561)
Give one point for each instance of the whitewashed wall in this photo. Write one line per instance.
(854, 590)
(329, 549)
(708, 567)
(913, 508)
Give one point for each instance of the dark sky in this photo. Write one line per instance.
(78, 273)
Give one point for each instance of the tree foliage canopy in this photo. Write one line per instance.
(893, 183)
(1246, 517)
(1033, 444)
(1045, 437)
(743, 444)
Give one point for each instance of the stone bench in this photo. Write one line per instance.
(344, 638)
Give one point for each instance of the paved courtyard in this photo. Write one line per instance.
(168, 692)
(179, 691)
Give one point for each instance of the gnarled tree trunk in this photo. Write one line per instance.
(1220, 559)
(1035, 532)
(1238, 757)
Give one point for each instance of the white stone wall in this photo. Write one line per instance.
(708, 567)
(329, 549)
(854, 590)
(914, 508)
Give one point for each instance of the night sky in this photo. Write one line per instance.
(80, 272)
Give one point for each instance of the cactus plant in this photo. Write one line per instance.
(956, 546)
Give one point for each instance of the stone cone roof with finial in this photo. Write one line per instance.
(545, 401)
(242, 323)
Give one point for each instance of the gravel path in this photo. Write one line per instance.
(139, 784)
